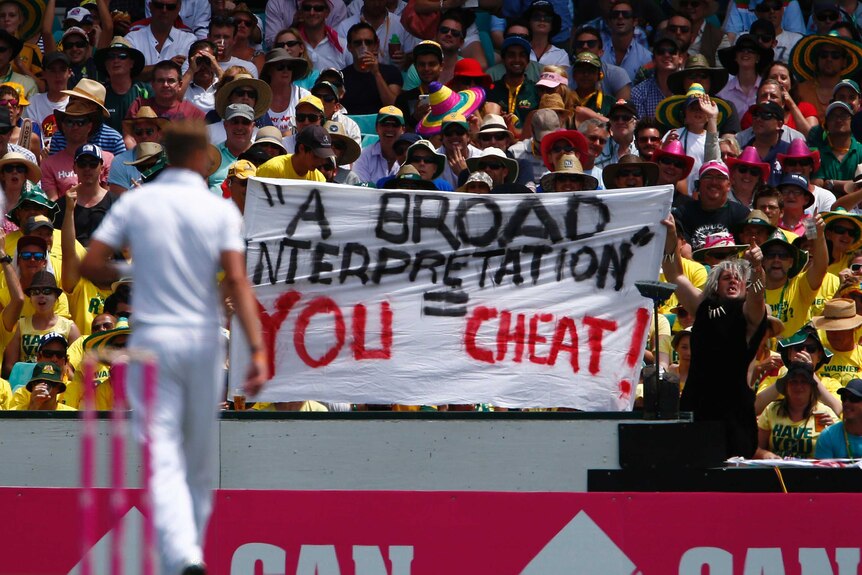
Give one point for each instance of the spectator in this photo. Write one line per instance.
(755, 230)
(10, 47)
(248, 36)
(281, 14)
(57, 71)
(120, 63)
(545, 24)
(12, 98)
(386, 26)
(20, 21)
(844, 236)
(796, 124)
(740, 17)
(746, 61)
(843, 440)
(729, 147)
(160, 40)
(77, 126)
(529, 153)
(17, 173)
(270, 141)
(309, 111)
(443, 102)
(92, 200)
(648, 135)
(822, 62)
(53, 348)
(313, 148)
(747, 173)
(627, 47)
(562, 23)
(795, 191)
(323, 44)
(45, 384)
(629, 172)
(698, 71)
(839, 322)
(222, 33)
(238, 174)
(681, 344)
(76, 46)
(770, 201)
(202, 76)
(166, 99)
(428, 64)
(468, 74)
(290, 39)
(146, 127)
(706, 36)
(428, 162)
(280, 71)
(588, 97)
(366, 71)
(456, 147)
(678, 28)
(840, 152)
(514, 92)
(597, 135)
(623, 117)
(568, 176)
(773, 12)
(408, 178)
(615, 81)
(450, 36)
(242, 89)
(238, 125)
(495, 163)
(666, 59)
(477, 183)
(799, 159)
(88, 98)
(346, 151)
(329, 94)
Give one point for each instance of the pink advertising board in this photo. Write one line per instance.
(470, 533)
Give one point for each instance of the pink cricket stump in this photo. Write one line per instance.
(119, 373)
(88, 468)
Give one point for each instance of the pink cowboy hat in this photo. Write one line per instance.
(799, 150)
(674, 149)
(444, 102)
(749, 157)
(720, 242)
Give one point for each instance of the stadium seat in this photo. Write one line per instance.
(21, 374)
(367, 123)
(369, 139)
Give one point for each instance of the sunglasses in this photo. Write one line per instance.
(498, 137)
(282, 66)
(287, 44)
(679, 164)
(163, 6)
(765, 38)
(779, 255)
(12, 168)
(455, 132)
(98, 327)
(491, 166)
(831, 54)
(363, 42)
(678, 29)
(41, 291)
(809, 347)
(690, 3)
(443, 30)
(648, 139)
(247, 92)
(768, 7)
(630, 173)
(855, 267)
(88, 164)
(797, 163)
(614, 14)
(54, 353)
(143, 131)
(314, 7)
(763, 115)
(750, 170)
(117, 56)
(422, 160)
(841, 230)
(559, 148)
(539, 17)
(81, 44)
(328, 98)
(586, 44)
(827, 16)
(27, 256)
(244, 22)
(4, 49)
(76, 121)
(307, 117)
(622, 118)
(9, 103)
(665, 51)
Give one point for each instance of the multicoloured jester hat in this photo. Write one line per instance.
(444, 102)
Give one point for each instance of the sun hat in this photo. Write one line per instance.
(46, 372)
(339, 134)
(105, 339)
(427, 47)
(750, 157)
(554, 101)
(493, 124)
(261, 104)
(144, 152)
(800, 337)
(648, 169)
(754, 218)
(552, 80)
(145, 114)
(439, 159)
(499, 155)
(719, 242)
(89, 90)
(838, 314)
(32, 12)
(806, 370)
(853, 387)
(727, 56)
(19, 89)
(799, 150)
(270, 135)
(242, 169)
(42, 279)
(470, 68)
(673, 149)
(841, 214)
(300, 65)
(408, 178)
(480, 177)
(799, 181)
(34, 173)
(35, 195)
(573, 137)
(119, 44)
(77, 109)
(545, 6)
(35, 222)
(674, 342)
(800, 257)
(803, 56)
(568, 164)
(444, 102)
(671, 110)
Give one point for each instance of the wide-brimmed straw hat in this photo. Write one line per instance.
(568, 165)
(439, 159)
(270, 135)
(727, 56)
(554, 101)
(79, 108)
(144, 152)
(89, 90)
(838, 314)
(799, 150)
(698, 63)
(649, 170)
(119, 44)
(105, 339)
(803, 56)
(750, 157)
(261, 104)
(498, 155)
(754, 218)
(671, 110)
(841, 214)
(339, 134)
(673, 149)
(800, 257)
(574, 137)
(34, 173)
(145, 114)
(720, 242)
(444, 102)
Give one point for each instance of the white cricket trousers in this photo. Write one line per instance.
(184, 435)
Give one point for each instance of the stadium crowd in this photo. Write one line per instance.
(750, 109)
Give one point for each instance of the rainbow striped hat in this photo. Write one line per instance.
(444, 102)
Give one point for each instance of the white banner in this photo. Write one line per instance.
(427, 298)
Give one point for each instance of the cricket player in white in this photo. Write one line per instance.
(180, 236)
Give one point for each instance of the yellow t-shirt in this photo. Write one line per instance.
(844, 365)
(85, 303)
(790, 438)
(61, 308)
(281, 167)
(827, 291)
(791, 303)
(5, 395)
(306, 406)
(695, 273)
(55, 252)
(104, 393)
(841, 264)
(30, 336)
(21, 397)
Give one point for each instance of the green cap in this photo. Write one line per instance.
(46, 371)
(588, 58)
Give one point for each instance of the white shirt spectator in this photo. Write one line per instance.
(786, 41)
(283, 120)
(448, 174)
(553, 56)
(176, 44)
(354, 8)
(218, 134)
(280, 15)
(202, 98)
(326, 55)
(371, 165)
(41, 107)
(195, 14)
(392, 25)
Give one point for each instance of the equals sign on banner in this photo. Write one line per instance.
(445, 303)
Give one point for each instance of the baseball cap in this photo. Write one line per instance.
(587, 58)
(846, 83)
(625, 105)
(74, 31)
(797, 180)
(837, 106)
(91, 150)
(36, 222)
(53, 336)
(312, 101)
(53, 57)
(716, 165)
(390, 112)
(454, 119)
(772, 108)
(239, 111)
(333, 75)
(428, 47)
(316, 139)
(853, 387)
(516, 41)
(329, 86)
(242, 169)
(80, 15)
